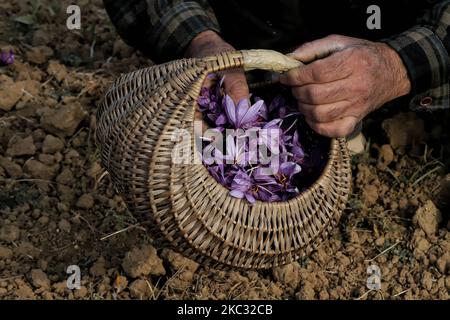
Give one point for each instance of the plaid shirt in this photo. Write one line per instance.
(162, 29)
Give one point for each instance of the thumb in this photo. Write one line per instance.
(235, 85)
(319, 49)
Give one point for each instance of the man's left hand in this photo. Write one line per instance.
(345, 79)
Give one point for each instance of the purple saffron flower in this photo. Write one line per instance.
(264, 154)
(241, 187)
(242, 115)
(297, 151)
(7, 58)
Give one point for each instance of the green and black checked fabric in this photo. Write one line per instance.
(424, 50)
(162, 29)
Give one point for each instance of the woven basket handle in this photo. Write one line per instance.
(268, 60)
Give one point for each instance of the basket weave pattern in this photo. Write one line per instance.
(183, 202)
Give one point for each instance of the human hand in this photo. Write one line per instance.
(209, 43)
(235, 84)
(345, 79)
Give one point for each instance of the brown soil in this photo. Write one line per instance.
(58, 207)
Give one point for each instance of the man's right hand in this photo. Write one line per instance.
(209, 43)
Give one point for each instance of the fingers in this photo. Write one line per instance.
(335, 129)
(235, 85)
(332, 68)
(320, 48)
(322, 93)
(325, 113)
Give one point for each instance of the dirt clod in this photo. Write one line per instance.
(140, 289)
(39, 55)
(40, 279)
(10, 94)
(52, 144)
(404, 129)
(386, 154)
(182, 267)
(288, 275)
(5, 253)
(64, 120)
(143, 262)
(86, 201)
(57, 70)
(39, 170)
(428, 218)
(18, 146)
(370, 195)
(13, 169)
(9, 233)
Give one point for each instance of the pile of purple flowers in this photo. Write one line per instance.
(239, 164)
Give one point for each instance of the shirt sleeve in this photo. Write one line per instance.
(424, 50)
(161, 29)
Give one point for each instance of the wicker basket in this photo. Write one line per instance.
(185, 205)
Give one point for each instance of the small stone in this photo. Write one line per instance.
(386, 154)
(443, 198)
(86, 201)
(28, 250)
(288, 275)
(57, 70)
(306, 292)
(18, 146)
(11, 168)
(427, 280)
(178, 261)
(9, 233)
(64, 225)
(428, 218)
(140, 289)
(80, 293)
(370, 195)
(443, 263)
(47, 159)
(39, 55)
(324, 295)
(184, 267)
(39, 170)
(65, 177)
(5, 253)
(422, 245)
(10, 94)
(98, 269)
(64, 120)
(404, 129)
(43, 220)
(143, 261)
(25, 292)
(94, 170)
(40, 279)
(52, 144)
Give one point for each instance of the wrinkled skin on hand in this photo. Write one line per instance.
(209, 43)
(344, 80)
(235, 84)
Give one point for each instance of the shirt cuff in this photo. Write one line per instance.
(428, 64)
(178, 26)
